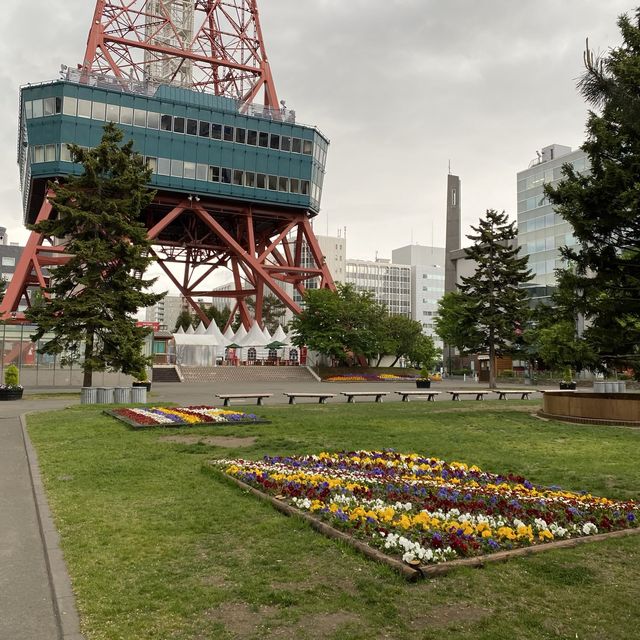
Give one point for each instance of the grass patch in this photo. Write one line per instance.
(158, 549)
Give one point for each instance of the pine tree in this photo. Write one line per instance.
(497, 304)
(603, 206)
(90, 306)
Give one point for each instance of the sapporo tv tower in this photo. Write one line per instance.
(237, 178)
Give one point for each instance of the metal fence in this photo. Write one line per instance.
(43, 370)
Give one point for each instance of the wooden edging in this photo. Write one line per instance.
(410, 572)
(407, 571)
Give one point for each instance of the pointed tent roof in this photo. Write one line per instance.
(255, 337)
(281, 336)
(201, 330)
(190, 331)
(228, 334)
(239, 335)
(180, 330)
(266, 334)
(213, 330)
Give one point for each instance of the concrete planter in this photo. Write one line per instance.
(138, 394)
(88, 395)
(105, 395)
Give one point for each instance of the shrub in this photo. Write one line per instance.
(507, 373)
(11, 376)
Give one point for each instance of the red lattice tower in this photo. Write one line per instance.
(216, 47)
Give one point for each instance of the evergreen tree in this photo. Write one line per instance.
(220, 317)
(185, 320)
(603, 206)
(273, 310)
(497, 305)
(94, 296)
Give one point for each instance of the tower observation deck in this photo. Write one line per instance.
(237, 182)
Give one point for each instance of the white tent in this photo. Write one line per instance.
(228, 334)
(281, 336)
(196, 348)
(255, 337)
(267, 335)
(239, 335)
(213, 330)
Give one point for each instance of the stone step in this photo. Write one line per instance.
(165, 374)
(246, 374)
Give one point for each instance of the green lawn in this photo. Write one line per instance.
(159, 547)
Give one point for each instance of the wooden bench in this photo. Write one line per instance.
(322, 397)
(355, 394)
(523, 393)
(242, 396)
(407, 395)
(455, 395)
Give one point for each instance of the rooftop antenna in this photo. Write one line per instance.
(449, 167)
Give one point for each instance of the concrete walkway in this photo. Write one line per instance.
(29, 607)
(36, 600)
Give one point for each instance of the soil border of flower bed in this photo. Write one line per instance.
(176, 425)
(408, 571)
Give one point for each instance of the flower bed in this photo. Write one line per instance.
(181, 416)
(370, 377)
(428, 511)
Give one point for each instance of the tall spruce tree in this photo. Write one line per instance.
(496, 303)
(603, 206)
(90, 306)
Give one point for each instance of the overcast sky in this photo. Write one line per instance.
(401, 88)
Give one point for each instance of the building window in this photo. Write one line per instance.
(99, 111)
(228, 134)
(153, 120)
(126, 114)
(84, 108)
(69, 106)
(139, 118)
(205, 129)
(178, 124)
(8, 261)
(192, 127)
(113, 113)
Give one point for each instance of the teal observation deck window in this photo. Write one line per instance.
(194, 143)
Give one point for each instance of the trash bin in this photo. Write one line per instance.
(105, 395)
(122, 395)
(599, 387)
(88, 395)
(138, 394)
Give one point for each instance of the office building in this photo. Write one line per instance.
(541, 231)
(390, 283)
(427, 283)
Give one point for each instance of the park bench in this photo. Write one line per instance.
(407, 395)
(357, 394)
(242, 396)
(455, 395)
(523, 393)
(322, 397)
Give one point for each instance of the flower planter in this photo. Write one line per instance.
(11, 394)
(147, 385)
(568, 385)
(423, 384)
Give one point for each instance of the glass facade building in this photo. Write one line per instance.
(541, 231)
